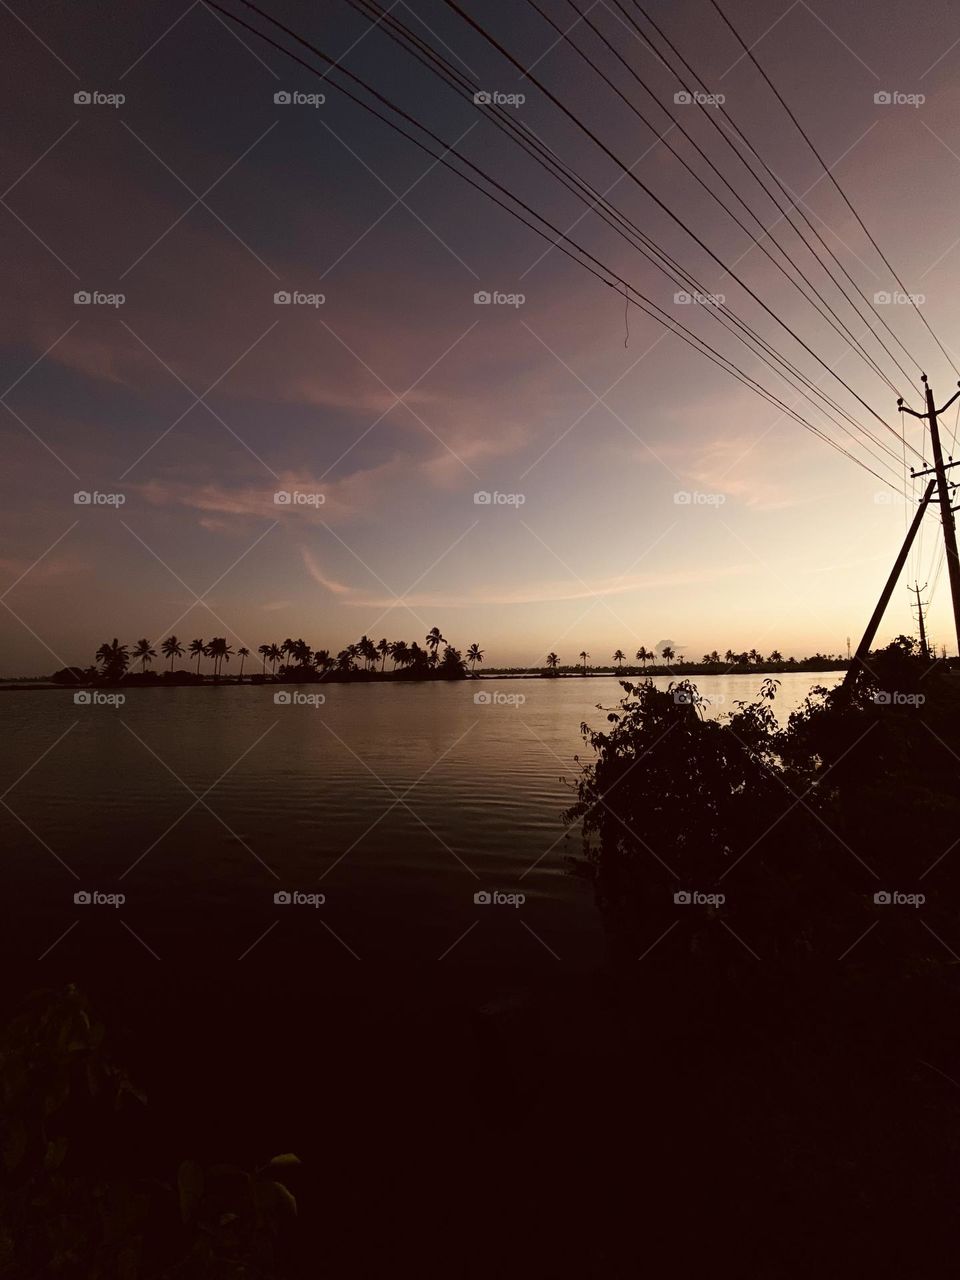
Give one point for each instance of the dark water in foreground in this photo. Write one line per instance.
(396, 802)
(511, 1109)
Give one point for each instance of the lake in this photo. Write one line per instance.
(395, 802)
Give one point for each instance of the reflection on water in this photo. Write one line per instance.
(397, 803)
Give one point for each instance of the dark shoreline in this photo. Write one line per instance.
(183, 680)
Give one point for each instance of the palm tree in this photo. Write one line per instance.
(730, 656)
(383, 648)
(264, 650)
(172, 648)
(643, 656)
(583, 658)
(144, 653)
(114, 659)
(552, 661)
(345, 659)
(200, 649)
(221, 652)
(776, 656)
(244, 653)
(274, 654)
(417, 658)
(322, 661)
(474, 655)
(301, 653)
(434, 641)
(667, 654)
(619, 658)
(399, 653)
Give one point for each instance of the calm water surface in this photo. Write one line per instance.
(396, 802)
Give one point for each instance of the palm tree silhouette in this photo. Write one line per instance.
(301, 653)
(643, 656)
(114, 659)
(552, 661)
(583, 658)
(345, 659)
(221, 652)
(172, 648)
(776, 656)
(619, 657)
(200, 649)
(143, 653)
(244, 653)
(264, 650)
(434, 641)
(399, 653)
(474, 655)
(383, 648)
(667, 654)
(274, 653)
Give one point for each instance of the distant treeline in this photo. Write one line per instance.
(291, 660)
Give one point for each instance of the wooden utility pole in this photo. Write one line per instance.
(924, 647)
(943, 493)
(863, 648)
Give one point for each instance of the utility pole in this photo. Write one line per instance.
(924, 647)
(863, 648)
(943, 493)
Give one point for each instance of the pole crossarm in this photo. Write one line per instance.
(929, 471)
(944, 494)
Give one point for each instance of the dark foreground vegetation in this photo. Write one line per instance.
(765, 1079)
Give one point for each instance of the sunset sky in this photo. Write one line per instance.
(399, 398)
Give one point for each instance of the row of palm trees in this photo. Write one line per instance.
(114, 659)
(731, 657)
(667, 654)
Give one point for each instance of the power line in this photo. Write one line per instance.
(646, 305)
(548, 159)
(792, 201)
(833, 319)
(528, 74)
(806, 137)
